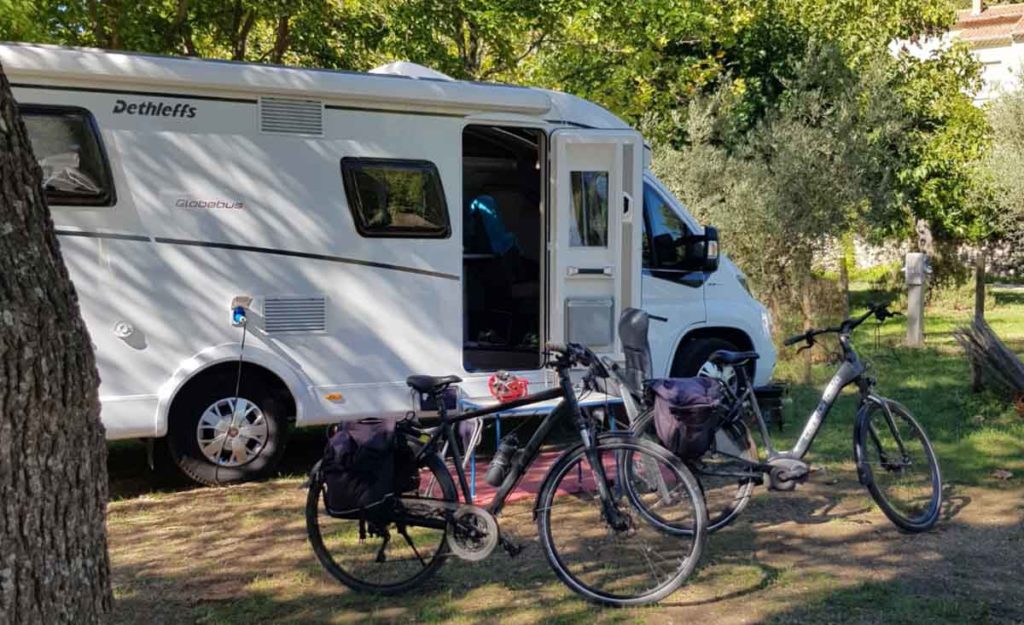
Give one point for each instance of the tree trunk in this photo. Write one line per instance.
(844, 283)
(281, 39)
(807, 309)
(979, 311)
(53, 482)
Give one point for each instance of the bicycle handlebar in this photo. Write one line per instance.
(879, 311)
(575, 353)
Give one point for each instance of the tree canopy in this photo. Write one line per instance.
(917, 157)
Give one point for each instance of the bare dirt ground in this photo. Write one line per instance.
(823, 554)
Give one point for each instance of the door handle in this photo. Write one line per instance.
(589, 271)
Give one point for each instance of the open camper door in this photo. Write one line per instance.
(594, 237)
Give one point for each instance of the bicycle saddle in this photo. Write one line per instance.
(431, 383)
(726, 357)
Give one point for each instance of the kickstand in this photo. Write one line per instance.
(510, 547)
(408, 539)
(386, 535)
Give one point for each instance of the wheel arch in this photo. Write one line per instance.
(222, 359)
(734, 335)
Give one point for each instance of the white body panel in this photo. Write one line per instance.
(392, 307)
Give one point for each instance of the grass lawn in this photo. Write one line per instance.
(823, 554)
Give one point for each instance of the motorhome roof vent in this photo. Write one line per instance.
(291, 116)
(294, 314)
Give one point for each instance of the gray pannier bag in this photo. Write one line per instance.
(687, 411)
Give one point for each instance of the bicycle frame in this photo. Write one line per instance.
(525, 456)
(851, 371)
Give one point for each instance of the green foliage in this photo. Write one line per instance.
(939, 155)
(1005, 162)
(806, 171)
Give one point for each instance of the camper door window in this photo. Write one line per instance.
(395, 198)
(589, 227)
(67, 144)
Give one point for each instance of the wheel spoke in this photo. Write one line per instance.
(215, 445)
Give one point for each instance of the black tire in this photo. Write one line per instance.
(725, 498)
(694, 353)
(199, 396)
(580, 533)
(353, 564)
(908, 489)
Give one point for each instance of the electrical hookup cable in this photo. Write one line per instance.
(238, 318)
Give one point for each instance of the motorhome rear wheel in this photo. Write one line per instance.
(217, 438)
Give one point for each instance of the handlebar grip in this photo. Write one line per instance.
(793, 340)
(555, 347)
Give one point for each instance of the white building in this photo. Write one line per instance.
(996, 36)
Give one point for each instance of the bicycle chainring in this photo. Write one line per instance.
(786, 473)
(473, 533)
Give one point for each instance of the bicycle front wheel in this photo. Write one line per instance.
(382, 556)
(616, 555)
(898, 465)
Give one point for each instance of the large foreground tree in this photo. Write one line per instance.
(53, 482)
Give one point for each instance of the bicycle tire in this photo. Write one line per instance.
(723, 510)
(614, 446)
(868, 445)
(436, 468)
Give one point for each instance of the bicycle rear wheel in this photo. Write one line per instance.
(381, 557)
(628, 560)
(724, 496)
(898, 465)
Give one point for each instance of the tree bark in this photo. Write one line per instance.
(53, 484)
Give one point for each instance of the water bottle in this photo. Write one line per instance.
(502, 460)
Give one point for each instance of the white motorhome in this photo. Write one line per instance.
(382, 224)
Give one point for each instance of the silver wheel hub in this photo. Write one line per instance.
(232, 432)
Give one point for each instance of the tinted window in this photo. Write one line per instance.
(666, 235)
(589, 226)
(68, 146)
(395, 198)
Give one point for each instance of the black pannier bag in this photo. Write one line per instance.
(364, 467)
(687, 412)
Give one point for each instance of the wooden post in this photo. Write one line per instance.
(979, 312)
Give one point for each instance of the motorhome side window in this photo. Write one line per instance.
(589, 227)
(666, 243)
(395, 198)
(67, 143)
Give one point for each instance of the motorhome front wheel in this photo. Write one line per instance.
(216, 437)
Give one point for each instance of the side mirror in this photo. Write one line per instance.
(710, 248)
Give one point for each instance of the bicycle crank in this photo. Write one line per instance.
(472, 532)
(786, 473)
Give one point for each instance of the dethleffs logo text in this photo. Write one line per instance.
(154, 109)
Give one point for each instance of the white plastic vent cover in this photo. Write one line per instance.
(292, 116)
(294, 314)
